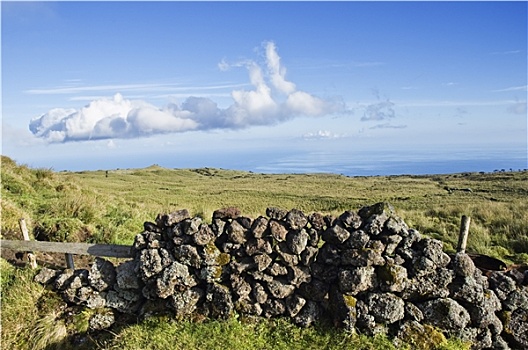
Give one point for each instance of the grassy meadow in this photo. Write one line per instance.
(110, 206)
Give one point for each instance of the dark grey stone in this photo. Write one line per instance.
(219, 301)
(236, 233)
(317, 221)
(308, 315)
(262, 261)
(501, 284)
(204, 235)
(297, 241)
(258, 246)
(175, 278)
(47, 276)
(188, 255)
(315, 290)
(273, 307)
(351, 220)
(357, 280)
(343, 309)
(287, 256)
(296, 219)
(126, 276)
(392, 278)
(358, 240)
(280, 288)
(276, 213)
(385, 307)
(278, 230)
(228, 213)
(102, 319)
(309, 255)
(336, 234)
(259, 293)
(298, 275)
(445, 313)
(172, 218)
(463, 265)
(413, 312)
(259, 227)
(429, 286)
(294, 304)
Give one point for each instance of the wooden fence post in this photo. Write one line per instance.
(30, 256)
(464, 232)
(69, 261)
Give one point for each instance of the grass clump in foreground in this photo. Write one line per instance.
(31, 315)
(254, 333)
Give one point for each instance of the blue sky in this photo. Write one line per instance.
(264, 86)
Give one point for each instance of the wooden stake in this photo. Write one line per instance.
(30, 256)
(69, 261)
(464, 233)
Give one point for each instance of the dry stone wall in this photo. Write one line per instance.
(365, 271)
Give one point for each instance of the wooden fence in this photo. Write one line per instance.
(104, 250)
(69, 249)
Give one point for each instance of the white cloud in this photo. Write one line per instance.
(388, 126)
(379, 111)
(513, 88)
(322, 135)
(277, 72)
(223, 65)
(432, 103)
(301, 102)
(511, 52)
(87, 88)
(271, 100)
(108, 118)
(137, 88)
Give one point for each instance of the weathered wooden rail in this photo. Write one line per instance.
(102, 250)
(69, 249)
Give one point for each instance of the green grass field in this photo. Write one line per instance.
(110, 207)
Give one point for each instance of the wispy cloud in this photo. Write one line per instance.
(388, 126)
(70, 89)
(513, 88)
(346, 65)
(89, 88)
(380, 110)
(272, 99)
(510, 52)
(453, 103)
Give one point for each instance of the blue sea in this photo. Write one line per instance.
(391, 164)
(362, 163)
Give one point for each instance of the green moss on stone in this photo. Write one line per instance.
(425, 337)
(350, 301)
(223, 259)
(218, 272)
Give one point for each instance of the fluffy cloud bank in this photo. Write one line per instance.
(272, 99)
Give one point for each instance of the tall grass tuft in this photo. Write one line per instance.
(30, 313)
